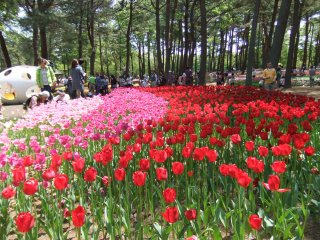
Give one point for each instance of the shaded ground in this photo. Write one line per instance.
(308, 91)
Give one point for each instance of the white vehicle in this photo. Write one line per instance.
(17, 84)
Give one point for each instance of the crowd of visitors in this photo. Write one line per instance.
(100, 84)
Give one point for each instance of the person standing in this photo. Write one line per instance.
(77, 76)
(92, 83)
(278, 75)
(269, 77)
(312, 73)
(45, 77)
(114, 82)
(189, 77)
(153, 79)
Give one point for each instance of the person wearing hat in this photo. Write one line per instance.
(37, 99)
(269, 77)
(45, 77)
(61, 97)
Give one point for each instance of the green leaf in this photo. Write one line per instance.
(269, 222)
(183, 230)
(158, 229)
(222, 216)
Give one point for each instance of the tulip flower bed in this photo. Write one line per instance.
(163, 163)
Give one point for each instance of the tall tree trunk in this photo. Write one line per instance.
(311, 45)
(280, 31)
(181, 47)
(91, 35)
(4, 50)
(297, 40)
(139, 59)
(80, 30)
(268, 35)
(252, 42)
(35, 40)
(256, 63)
(230, 49)
(149, 49)
(316, 60)
(107, 62)
(306, 39)
(43, 42)
(128, 44)
(212, 60)
(167, 37)
(294, 30)
(246, 45)
(143, 59)
(237, 53)
(222, 50)
(203, 34)
(131, 58)
(158, 36)
(186, 35)
(192, 34)
(100, 54)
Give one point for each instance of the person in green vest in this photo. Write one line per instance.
(92, 83)
(45, 77)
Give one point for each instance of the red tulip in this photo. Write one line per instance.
(78, 216)
(106, 180)
(8, 192)
(263, 151)
(90, 174)
(162, 174)
(191, 214)
(160, 156)
(139, 178)
(48, 174)
(119, 174)
(24, 222)
(199, 153)
(144, 164)
(67, 156)
(190, 173)
(30, 186)
(274, 184)
(61, 181)
(279, 166)
(224, 169)
(177, 168)
(66, 213)
(186, 152)
(243, 179)
(18, 175)
(212, 155)
(27, 161)
(169, 195)
(309, 151)
(256, 165)
(235, 138)
(193, 137)
(249, 146)
(255, 222)
(78, 165)
(171, 214)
